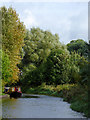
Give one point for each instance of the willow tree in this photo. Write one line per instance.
(13, 32)
(38, 45)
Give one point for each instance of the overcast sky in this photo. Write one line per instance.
(68, 19)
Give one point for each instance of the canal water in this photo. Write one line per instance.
(37, 106)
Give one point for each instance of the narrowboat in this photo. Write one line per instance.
(14, 92)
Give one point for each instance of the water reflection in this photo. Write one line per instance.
(30, 96)
(37, 106)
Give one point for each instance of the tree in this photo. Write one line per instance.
(47, 60)
(79, 46)
(74, 66)
(56, 67)
(6, 72)
(62, 67)
(13, 32)
(38, 45)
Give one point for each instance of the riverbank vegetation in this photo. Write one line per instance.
(36, 60)
(75, 94)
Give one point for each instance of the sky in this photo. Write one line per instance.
(68, 19)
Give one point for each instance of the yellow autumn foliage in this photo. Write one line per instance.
(13, 32)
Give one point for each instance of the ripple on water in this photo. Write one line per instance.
(38, 106)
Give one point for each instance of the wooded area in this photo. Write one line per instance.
(32, 58)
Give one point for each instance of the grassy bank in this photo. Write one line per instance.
(72, 93)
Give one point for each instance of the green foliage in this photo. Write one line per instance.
(75, 62)
(13, 32)
(80, 104)
(6, 72)
(47, 60)
(63, 68)
(48, 89)
(55, 67)
(79, 46)
(38, 46)
(84, 72)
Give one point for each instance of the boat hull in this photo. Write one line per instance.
(15, 94)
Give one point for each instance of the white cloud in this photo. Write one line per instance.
(29, 19)
(69, 20)
(79, 26)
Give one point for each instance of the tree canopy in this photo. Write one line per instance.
(47, 60)
(38, 45)
(13, 32)
(79, 46)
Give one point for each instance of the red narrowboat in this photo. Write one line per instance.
(14, 92)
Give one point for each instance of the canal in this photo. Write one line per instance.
(37, 106)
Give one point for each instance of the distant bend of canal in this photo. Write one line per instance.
(37, 106)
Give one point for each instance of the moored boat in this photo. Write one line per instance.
(14, 92)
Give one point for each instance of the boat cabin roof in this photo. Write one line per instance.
(12, 87)
(6, 87)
